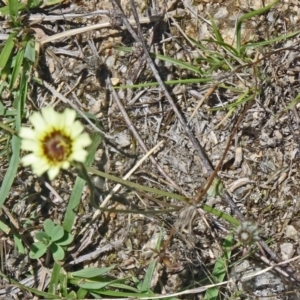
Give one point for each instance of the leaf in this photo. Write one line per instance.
(11, 172)
(29, 52)
(48, 226)
(7, 50)
(50, 2)
(216, 188)
(248, 16)
(42, 237)
(220, 269)
(63, 279)
(57, 252)
(37, 250)
(93, 285)
(71, 295)
(16, 70)
(176, 62)
(56, 233)
(66, 239)
(13, 10)
(81, 293)
(91, 272)
(146, 285)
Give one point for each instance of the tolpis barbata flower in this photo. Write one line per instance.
(247, 233)
(55, 140)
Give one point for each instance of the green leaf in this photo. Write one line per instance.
(66, 239)
(93, 285)
(7, 50)
(37, 250)
(13, 10)
(51, 2)
(34, 3)
(216, 188)
(4, 228)
(124, 287)
(81, 293)
(72, 295)
(125, 294)
(30, 50)
(91, 272)
(57, 252)
(216, 31)
(42, 237)
(43, 295)
(18, 244)
(79, 185)
(176, 62)
(11, 172)
(220, 269)
(48, 226)
(16, 70)
(56, 233)
(248, 16)
(63, 279)
(221, 214)
(146, 285)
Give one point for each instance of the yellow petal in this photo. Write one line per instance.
(53, 172)
(28, 159)
(69, 116)
(50, 116)
(27, 133)
(79, 155)
(65, 165)
(76, 129)
(29, 145)
(82, 141)
(38, 122)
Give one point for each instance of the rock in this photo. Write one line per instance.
(287, 251)
(291, 232)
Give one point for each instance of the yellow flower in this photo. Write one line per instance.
(55, 141)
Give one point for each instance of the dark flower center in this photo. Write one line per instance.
(57, 146)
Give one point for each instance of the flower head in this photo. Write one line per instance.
(247, 233)
(55, 141)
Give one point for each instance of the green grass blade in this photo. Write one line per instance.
(220, 269)
(79, 185)
(30, 50)
(146, 285)
(179, 63)
(13, 10)
(91, 272)
(16, 70)
(271, 41)
(221, 214)
(227, 47)
(248, 16)
(13, 166)
(216, 31)
(18, 244)
(207, 208)
(135, 185)
(15, 283)
(169, 82)
(20, 6)
(7, 50)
